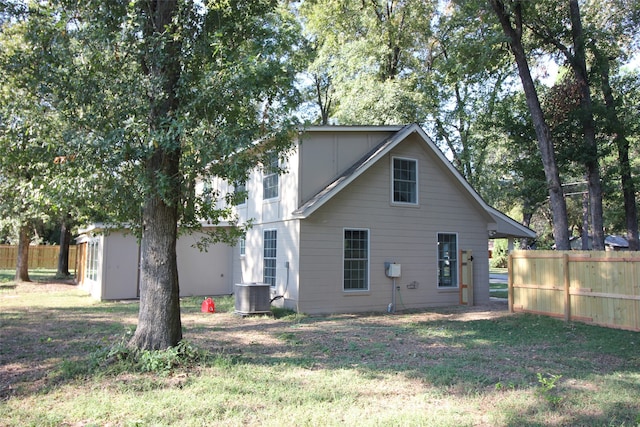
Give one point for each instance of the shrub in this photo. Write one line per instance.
(500, 254)
(157, 361)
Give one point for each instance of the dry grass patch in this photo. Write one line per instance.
(457, 366)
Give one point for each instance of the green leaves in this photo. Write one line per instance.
(366, 58)
(74, 83)
(28, 118)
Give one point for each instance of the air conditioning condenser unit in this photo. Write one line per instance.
(252, 298)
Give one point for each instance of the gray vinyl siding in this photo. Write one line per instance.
(324, 155)
(402, 234)
(205, 273)
(200, 273)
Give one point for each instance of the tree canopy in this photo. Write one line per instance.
(449, 68)
(152, 96)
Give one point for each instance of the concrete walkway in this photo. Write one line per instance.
(497, 278)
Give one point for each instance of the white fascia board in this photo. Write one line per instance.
(506, 226)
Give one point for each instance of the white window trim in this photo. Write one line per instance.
(246, 191)
(276, 258)
(242, 246)
(368, 288)
(93, 266)
(269, 174)
(457, 285)
(393, 202)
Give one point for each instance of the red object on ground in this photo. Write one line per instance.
(208, 306)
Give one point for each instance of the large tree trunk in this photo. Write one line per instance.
(63, 255)
(159, 324)
(584, 231)
(22, 264)
(543, 134)
(323, 96)
(588, 127)
(527, 216)
(616, 128)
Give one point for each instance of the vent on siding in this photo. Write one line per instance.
(252, 298)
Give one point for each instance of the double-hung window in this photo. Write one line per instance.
(270, 177)
(242, 242)
(447, 260)
(356, 260)
(240, 192)
(405, 181)
(270, 242)
(208, 193)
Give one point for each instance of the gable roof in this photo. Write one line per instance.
(502, 225)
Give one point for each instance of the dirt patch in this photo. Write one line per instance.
(38, 339)
(381, 341)
(481, 354)
(40, 286)
(250, 328)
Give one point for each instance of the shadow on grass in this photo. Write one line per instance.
(36, 275)
(45, 345)
(453, 348)
(40, 344)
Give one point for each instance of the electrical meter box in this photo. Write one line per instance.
(393, 270)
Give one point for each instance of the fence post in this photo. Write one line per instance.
(510, 282)
(567, 295)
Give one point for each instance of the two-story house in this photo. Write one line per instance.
(352, 202)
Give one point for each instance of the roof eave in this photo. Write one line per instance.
(506, 227)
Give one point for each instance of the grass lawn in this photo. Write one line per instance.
(39, 275)
(478, 366)
(498, 290)
(498, 270)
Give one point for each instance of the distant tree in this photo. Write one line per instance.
(622, 130)
(465, 76)
(511, 17)
(579, 65)
(366, 55)
(28, 123)
(518, 173)
(612, 28)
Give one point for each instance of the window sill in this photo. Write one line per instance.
(355, 293)
(448, 290)
(405, 205)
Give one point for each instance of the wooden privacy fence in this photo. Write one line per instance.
(587, 286)
(40, 256)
